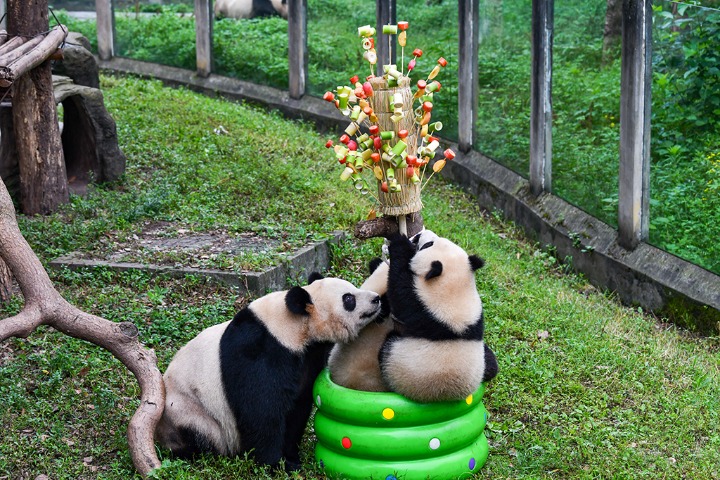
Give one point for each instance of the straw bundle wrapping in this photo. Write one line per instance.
(407, 200)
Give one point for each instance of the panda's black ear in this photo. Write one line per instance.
(297, 300)
(436, 268)
(374, 264)
(476, 262)
(314, 276)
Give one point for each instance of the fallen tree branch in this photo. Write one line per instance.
(45, 306)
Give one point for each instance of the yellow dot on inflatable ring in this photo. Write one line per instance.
(388, 414)
(469, 399)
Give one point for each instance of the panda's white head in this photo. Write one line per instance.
(331, 309)
(445, 280)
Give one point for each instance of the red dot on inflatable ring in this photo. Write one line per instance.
(346, 443)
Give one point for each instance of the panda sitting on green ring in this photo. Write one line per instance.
(428, 346)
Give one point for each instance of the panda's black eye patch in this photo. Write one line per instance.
(427, 245)
(349, 302)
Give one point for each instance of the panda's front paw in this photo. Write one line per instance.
(401, 248)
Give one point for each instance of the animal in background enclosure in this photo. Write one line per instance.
(250, 8)
(436, 351)
(246, 385)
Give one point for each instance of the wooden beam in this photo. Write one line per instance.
(297, 48)
(203, 37)
(635, 81)
(17, 52)
(541, 97)
(468, 24)
(105, 21)
(29, 55)
(385, 14)
(11, 44)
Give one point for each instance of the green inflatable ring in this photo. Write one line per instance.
(386, 436)
(373, 408)
(416, 442)
(460, 464)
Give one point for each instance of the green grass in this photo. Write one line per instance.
(586, 93)
(610, 393)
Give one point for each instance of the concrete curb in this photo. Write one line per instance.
(647, 276)
(313, 258)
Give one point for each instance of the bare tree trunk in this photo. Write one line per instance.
(9, 172)
(5, 283)
(613, 26)
(45, 306)
(43, 181)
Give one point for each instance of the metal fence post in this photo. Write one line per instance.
(297, 48)
(636, 76)
(385, 14)
(203, 37)
(541, 97)
(105, 18)
(468, 32)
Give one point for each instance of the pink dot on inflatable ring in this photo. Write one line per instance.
(346, 443)
(471, 464)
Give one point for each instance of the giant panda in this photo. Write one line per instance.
(246, 385)
(356, 364)
(436, 351)
(250, 8)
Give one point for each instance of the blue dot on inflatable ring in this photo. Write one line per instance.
(391, 477)
(471, 464)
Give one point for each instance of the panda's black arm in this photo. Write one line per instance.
(401, 290)
(491, 365)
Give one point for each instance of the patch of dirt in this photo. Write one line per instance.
(162, 237)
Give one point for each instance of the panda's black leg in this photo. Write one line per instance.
(491, 365)
(296, 420)
(295, 424)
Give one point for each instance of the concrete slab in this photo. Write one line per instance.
(297, 265)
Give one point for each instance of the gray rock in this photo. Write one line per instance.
(78, 61)
(89, 136)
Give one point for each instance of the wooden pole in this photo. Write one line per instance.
(43, 181)
(297, 48)
(541, 97)
(105, 21)
(634, 187)
(384, 15)
(469, 21)
(203, 37)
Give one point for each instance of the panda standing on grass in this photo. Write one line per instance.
(433, 348)
(246, 385)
